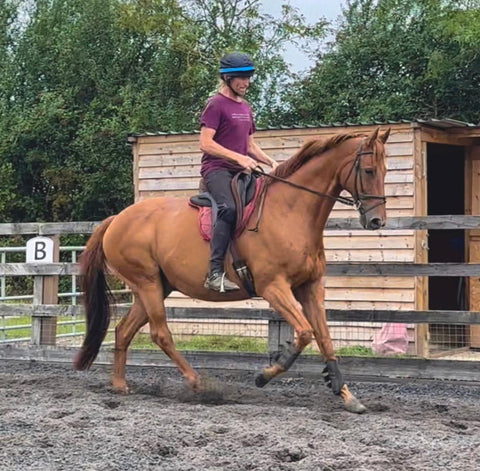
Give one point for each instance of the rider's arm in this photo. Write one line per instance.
(209, 146)
(258, 154)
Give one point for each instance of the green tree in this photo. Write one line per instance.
(396, 59)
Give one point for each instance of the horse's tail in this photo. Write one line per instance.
(96, 297)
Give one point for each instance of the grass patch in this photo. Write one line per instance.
(24, 329)
(354, 351)
(208, 343)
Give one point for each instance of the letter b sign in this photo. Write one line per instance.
(40, 250)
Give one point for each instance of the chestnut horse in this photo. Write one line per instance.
(155, 247)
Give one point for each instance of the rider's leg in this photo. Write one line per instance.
(218, 183)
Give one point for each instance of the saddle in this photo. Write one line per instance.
(246, 189)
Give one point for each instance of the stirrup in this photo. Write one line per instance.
(219, 282)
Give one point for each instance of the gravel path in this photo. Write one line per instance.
(53, 418)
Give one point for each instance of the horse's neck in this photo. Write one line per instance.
(320, 174)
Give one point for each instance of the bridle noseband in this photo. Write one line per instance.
(358, 198)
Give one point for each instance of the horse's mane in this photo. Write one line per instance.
(309, 149)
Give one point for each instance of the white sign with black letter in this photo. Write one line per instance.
(40, 250)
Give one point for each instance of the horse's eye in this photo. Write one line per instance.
(370, 172)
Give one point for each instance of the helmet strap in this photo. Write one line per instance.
(230, 87)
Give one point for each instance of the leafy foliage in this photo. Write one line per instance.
(397, 59)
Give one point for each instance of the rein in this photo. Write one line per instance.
(356, 202)
(341, 199)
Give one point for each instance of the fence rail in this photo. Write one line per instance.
(414, 222)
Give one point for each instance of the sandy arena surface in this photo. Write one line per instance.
(54, 418)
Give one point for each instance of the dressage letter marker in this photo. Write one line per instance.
(40, 250)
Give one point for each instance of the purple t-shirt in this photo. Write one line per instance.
(233, 123)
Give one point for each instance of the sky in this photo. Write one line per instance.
(312, 10)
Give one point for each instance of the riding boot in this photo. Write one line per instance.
(217, 281)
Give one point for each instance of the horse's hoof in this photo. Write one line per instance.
(355, 406)
(120, 388)
(261, 380)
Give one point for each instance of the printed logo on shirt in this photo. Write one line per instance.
(241, 116)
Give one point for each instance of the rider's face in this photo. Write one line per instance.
(240, 85)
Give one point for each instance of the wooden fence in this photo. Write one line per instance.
(44, 311)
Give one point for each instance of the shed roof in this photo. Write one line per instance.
(444, 124)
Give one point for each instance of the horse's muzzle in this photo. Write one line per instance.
(373, 223)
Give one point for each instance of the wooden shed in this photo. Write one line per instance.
(433, 169)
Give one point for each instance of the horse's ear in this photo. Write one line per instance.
(372, 138)
(383, 137)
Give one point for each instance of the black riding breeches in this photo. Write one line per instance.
(218, 184)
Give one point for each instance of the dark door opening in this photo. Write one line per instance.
(446, 195)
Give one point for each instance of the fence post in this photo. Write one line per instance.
(279, 332)
(45, 291)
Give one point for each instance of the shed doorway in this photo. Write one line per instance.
(446, 195)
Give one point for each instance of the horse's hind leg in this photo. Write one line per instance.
(124, 333)
(151, 295)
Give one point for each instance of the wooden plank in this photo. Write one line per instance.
(473, 244)
(370, 255)
(136, 167)
(48, 332)
(158, 160)
(359, 233)
(383, 282)
(370, 294)
(48, 228)
(398, 189)
(401, 162)
(394, 149)
(18, 269)
(403, 269)
(171, 184)
(369, 242)
(369, 305)
(169, 172)
(421, 242)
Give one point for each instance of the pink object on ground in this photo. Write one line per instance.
(391, 339)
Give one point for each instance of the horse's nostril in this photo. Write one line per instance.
(376, 223)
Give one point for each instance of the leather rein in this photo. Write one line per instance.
(356, 201)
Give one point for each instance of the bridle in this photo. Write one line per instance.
(359, 195)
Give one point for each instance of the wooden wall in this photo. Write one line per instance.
(170, 165)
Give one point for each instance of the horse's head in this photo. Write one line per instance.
(365, 179)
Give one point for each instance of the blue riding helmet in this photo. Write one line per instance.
(236, 64)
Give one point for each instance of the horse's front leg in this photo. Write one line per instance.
(312, 296)
(282, 300)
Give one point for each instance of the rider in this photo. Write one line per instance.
(226, 140)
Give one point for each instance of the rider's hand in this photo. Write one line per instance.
(248, 163)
